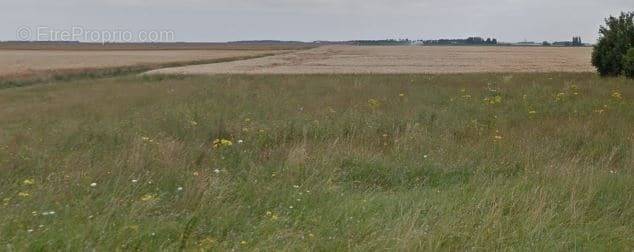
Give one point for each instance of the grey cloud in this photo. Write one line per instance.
(222, 20)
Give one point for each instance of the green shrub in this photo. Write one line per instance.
(628, 64)
(617, 37)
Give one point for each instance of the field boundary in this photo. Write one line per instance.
(13, 81)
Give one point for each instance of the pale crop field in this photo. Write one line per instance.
(26, 63)
(406, 59)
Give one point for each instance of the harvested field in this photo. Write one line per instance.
(31, 62)
(153, 46)
(405, 59)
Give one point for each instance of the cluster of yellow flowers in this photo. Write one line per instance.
(218, 143)
(148, 197)
(560, 97)
(374, 104)
(24, 194)
(272, 215)
(616, 94)
(497, 99)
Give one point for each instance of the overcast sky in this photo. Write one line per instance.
(308, 20)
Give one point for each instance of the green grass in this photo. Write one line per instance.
(328, 162)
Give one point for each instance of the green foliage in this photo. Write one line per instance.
(628, 64)
(617, 37)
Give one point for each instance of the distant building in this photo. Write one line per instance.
(576, 41)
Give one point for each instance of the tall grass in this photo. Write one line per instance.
(321, 162)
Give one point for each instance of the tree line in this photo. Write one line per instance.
(467, 41)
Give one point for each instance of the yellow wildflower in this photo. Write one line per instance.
(148, 197)
(28, 182)
(374, 104)
(207, 243)
(222, 143)
(493, 100)
(560, 96)
(401, 95)
(617, 95)
(24, 194)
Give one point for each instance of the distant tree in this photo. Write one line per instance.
(616, 38)
(628, 63)
(546, 43)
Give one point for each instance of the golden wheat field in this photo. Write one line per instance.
(405, 59)
(27, 62)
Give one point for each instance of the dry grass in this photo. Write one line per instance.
(406, 59)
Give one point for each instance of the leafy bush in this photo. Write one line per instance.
(628, 64)
(617, 37)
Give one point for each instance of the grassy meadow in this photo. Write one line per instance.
(319, 162)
